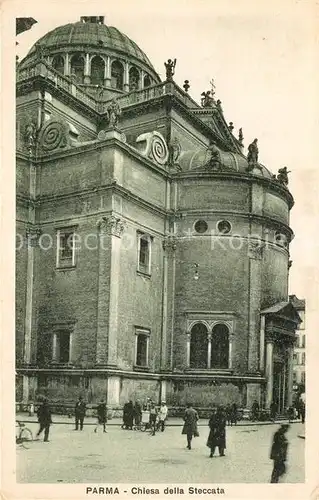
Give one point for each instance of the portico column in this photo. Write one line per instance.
(290, 375)
(126, 78)
(209, 350)
(269, 372)
(262, 344)
(87, 72)
(107, 72)
(188, 349)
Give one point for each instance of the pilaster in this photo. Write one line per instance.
(255, 252)
(110, 232)
(169, 265)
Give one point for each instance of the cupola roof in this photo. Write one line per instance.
(90, 32)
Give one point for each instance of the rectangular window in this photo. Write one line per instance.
(303, 358)
(295, 359)
(303, 341)
(141, 347)
(144, 253)
(294, 377)
(61, 346)
(65, 248)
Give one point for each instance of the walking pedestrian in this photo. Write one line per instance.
(273, 411)
(44, 419)
(80, 409)
(162, 414)
(101, 416)
(217, 434)
(279, 453)
(153, 418)
(190, 424)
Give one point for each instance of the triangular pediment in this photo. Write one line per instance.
(284, 310)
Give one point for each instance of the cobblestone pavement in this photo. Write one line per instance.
(121, 456)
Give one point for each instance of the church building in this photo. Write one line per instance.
(152, 254)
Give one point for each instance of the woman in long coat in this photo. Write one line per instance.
(190, 425)
(217, 434)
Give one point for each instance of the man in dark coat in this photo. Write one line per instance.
(128, 415)
(273, 411)
(190, 425)
(279, 453)
(101, 416)
(80, 408)
(217, 434)
(45, 419)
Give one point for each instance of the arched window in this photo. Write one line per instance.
(220, 346)
(147, 81)
(117, 75)
(58, 64)
(77, 68)
(97, 70)
(198, 346)
(134, 78)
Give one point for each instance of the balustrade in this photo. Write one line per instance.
(138, 96)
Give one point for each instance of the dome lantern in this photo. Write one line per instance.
(92, 19)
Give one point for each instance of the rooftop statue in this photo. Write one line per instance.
(252, 156)
(170, 69)
(207, 100)
(213, 156)
(241, 137)
(113, 113)
(282, 176)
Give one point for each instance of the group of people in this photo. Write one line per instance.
(297, 411)
(133, 415)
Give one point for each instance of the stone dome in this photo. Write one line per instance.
(91, 34)
(94, 54)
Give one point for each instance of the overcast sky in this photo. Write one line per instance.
(262, 59)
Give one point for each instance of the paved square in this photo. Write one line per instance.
(121, 456)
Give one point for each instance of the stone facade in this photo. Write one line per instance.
(144, 268)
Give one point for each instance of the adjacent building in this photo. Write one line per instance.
(299, 373)
(152, 254)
